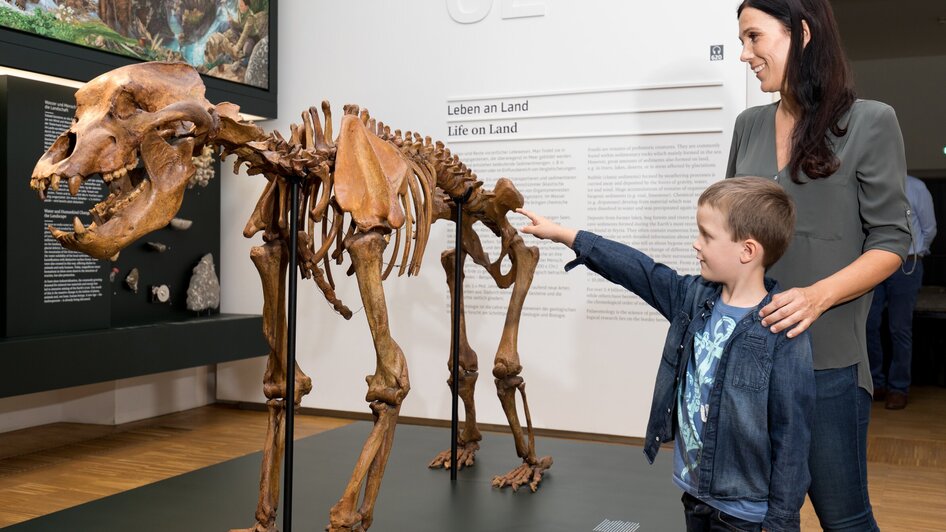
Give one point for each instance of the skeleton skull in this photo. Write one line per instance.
(137, 127)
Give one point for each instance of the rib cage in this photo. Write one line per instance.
(436, 176)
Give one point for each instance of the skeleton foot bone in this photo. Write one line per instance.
(530, 474)
(257, 528)
(466, 456)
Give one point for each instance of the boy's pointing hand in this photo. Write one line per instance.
(546, 229)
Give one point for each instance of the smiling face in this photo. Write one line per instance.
(718, 254)
(765, 44)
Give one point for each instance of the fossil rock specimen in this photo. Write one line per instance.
(203, 291)
(180, 224)
(160, 293)
(205, 169)
(131, 280)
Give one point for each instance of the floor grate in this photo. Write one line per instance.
(617, 526)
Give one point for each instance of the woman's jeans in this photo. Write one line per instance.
(838, 460)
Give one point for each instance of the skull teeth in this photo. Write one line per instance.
(124, 201)
(115, 202)
(124, 186)
(57, 234)
(77, 226)
(121, 172)
(117, 174)
(74, 183)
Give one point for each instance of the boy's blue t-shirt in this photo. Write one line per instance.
(693, 409)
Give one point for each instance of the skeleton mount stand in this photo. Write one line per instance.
(291, 355)
(455, 334)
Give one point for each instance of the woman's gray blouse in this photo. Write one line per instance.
(861, 207)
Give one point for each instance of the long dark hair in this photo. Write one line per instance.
(818, 82)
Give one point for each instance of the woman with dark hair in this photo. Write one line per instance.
(842, 161)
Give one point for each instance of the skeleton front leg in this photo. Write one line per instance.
(506, 370)
(271, 261)
(387, 388)
(468, 440)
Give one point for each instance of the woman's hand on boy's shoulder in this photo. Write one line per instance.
(542, 227)
(798, 307)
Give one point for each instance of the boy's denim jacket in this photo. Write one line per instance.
(757, 436)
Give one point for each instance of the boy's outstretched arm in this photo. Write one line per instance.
(657, 284)
(546, 229)
(791, 407)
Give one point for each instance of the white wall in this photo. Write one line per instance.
(111, 403)
(404, 61)
(915, 87)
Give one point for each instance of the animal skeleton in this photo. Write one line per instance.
(355, 192)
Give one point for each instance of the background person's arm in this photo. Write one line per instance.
(927, 217)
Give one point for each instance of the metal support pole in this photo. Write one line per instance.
(457, 298)
(290, 400)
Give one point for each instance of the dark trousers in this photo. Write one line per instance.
(898, 293)
(838, 458)
(701, 517)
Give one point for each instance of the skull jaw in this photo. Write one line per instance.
(142, 216)
(158, 200)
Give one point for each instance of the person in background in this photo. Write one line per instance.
(898, 293)
(842, 161)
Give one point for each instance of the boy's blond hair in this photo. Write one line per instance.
(756, 208)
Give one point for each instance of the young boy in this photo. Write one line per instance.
(736, 398)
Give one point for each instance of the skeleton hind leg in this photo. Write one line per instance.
(387, 388)
(468, 440)
(507, 367)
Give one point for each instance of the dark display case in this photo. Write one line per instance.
(68, 319)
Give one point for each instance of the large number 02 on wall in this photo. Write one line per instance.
(472, 11)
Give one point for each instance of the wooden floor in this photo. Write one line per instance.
(49, 468)
(45, 469)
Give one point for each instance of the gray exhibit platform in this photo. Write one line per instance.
(591, 487)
